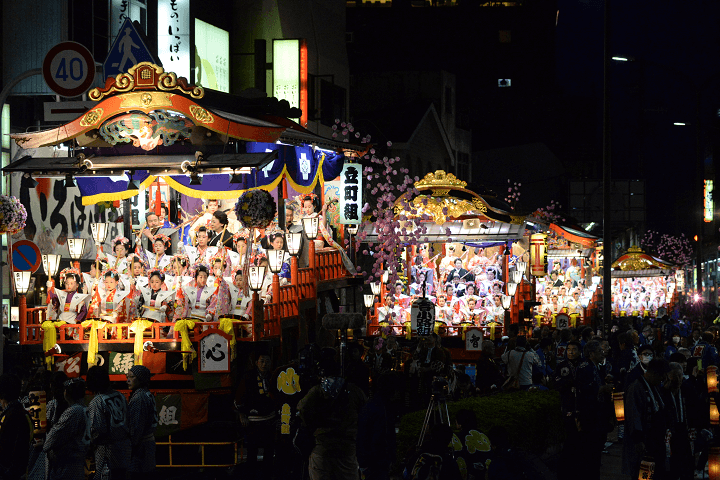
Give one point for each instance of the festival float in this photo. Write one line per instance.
(154, 142)
(467, 241)
(643, 285)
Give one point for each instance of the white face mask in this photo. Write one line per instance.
(676, 340)
(645, 359)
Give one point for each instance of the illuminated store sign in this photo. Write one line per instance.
(212, 60)
(174, 36)
(290, 74)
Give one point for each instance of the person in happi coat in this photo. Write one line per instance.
(109, 428)
(143, 421)
(67, 305)
(16, 430)
(645, 420)
(68, 440)
(109, 302)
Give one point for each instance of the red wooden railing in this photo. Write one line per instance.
(284, 304)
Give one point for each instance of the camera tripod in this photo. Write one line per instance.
(437, 412)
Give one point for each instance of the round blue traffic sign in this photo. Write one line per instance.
(25, 256)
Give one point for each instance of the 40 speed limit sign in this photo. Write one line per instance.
(69, 69)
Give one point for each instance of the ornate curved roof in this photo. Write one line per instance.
(636, 260)
(443, 196)
(453, 212)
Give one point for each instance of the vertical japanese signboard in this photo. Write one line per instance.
(350, 195)
(290, 74)
(708, 204)
(422, 316)
(174, 36)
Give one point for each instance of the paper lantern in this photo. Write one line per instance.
(256, 275)
(619, 403)
(100, 232)
(76, 247)
(51, 263)
(647, 469)
(369, 300)
(375, 287)
(712, 379)
(275, 260)
(714, 463)
(714, 415)
(310, 226)
(521, 267)
(538, 254)
(511, 288)
(506, 301)
(22, 282)
(293, 242)
(516, 276)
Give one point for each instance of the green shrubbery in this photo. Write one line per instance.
(531, 418)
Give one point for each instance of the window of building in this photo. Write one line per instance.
(332, 103)
(88, 25)
(504, 82)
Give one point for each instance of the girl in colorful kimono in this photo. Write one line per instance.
(232, 300)
(110, 303)
(67, 305)
(200, 300)
(153, 302)
(201, 253)
(120, 261)
(159, 259)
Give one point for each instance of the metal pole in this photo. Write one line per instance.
(607, 177)
(699, 215)
(3, 96)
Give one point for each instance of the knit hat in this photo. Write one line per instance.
(142, 373)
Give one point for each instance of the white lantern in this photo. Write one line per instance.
(521, 266)
(256, 275)
(511, 288)
(51, 264)
(506, 301)
(100, 232)
(516, 276)
(275, 259)
(584, 301)
(310, 226)
(293, 242)
(22, 282)
(76, 247)
(352, 229)
(375, 287)
(369, 300)
(596, 279)
(385, 276)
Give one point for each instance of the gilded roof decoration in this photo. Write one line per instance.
(442, 208)
(145, 76)
(636, 259)
(440, 179)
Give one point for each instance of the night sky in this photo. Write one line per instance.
(556, 97)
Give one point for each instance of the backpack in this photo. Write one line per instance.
(426, 467)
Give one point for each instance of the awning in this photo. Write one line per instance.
(456, 230)
(576, 236)
(569, 253)
(650, 272)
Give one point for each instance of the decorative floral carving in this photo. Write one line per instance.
(92, 117)
(202, 115)
(440, 179)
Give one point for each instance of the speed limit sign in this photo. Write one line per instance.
(69, 69)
